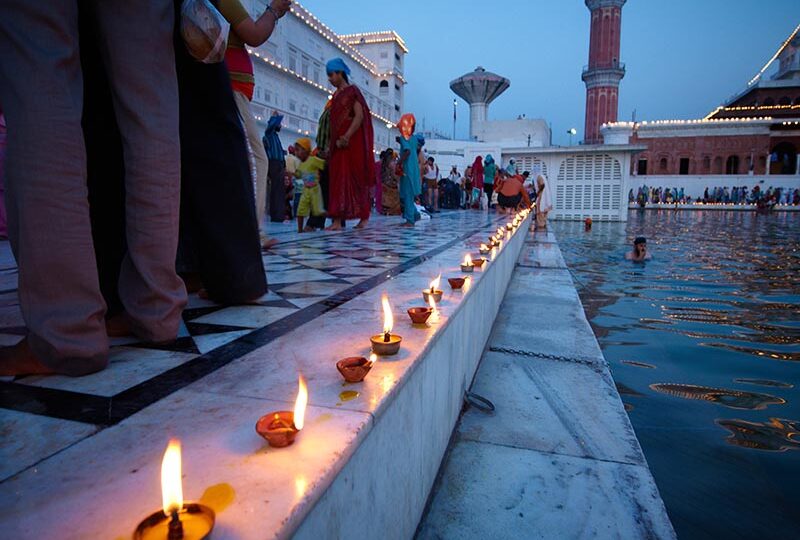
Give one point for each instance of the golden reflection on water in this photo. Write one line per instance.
(776, 435)
(735, 399)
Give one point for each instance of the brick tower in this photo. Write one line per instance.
(604, 71)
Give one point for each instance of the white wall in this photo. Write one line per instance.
(695, 185)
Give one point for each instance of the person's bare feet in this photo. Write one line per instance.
(307, 229)
(118, 326)
(362, 224)
(269, 243)
(335, 227)
(20, 360)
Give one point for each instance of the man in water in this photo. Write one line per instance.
(639, 252)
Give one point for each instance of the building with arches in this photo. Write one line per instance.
(291, 79)
(755, 134)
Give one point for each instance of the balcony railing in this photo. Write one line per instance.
(605, 65)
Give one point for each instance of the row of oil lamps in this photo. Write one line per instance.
(189, 521)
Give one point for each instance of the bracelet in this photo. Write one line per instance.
(274, 15)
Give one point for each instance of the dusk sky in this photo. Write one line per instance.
(683, 57)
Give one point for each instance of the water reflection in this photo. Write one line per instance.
(735, 399)
(718, 303)
(764, 382)
(777, 435)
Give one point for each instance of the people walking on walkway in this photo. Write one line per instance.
(351, 158)
(277, 168)
(410, 181)
(544, 201)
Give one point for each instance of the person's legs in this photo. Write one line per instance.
(260, 155)
(136, 42)
(277, 192)
(46, 195)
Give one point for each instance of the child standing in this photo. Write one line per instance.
(308, 171)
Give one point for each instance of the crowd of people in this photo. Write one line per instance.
(722, 195)
(135, 173)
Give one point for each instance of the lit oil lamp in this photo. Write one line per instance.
(419, 315)
(477, 263)
(280, 428)
(493, 254)
(355, 368)
(456, 282)
(500, 232)
(433, 290)
(177, 520)
(467, 266)
(434, 318)
(484, 249)
(509, 226)
(386, 344)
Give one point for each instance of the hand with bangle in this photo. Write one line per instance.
(343, 141)
(279, 8)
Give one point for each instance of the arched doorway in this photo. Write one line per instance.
(732, 165)
(783, 159)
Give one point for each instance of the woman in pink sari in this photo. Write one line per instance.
(351, 161)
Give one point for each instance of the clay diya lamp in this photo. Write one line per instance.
(477, 263)
(280, 428)
(484, 249)
(433, 290)
(386, 344)
(419, 315)
(176, 519)
(355, 368)
(509, 226)
(467, 266)
(456, 282)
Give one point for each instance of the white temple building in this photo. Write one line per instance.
(290, 73)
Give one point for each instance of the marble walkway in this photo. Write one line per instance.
(558, 458)
(309, 275)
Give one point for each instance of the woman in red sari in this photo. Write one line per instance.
(351, 162)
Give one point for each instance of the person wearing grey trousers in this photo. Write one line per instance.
(41, 89)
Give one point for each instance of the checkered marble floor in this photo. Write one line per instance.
(308, 274)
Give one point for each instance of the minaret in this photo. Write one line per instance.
(604, 71)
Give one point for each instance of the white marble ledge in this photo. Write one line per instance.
(314, 348)
(29, 438)
(102, 486)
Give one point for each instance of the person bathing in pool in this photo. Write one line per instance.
(639, 252)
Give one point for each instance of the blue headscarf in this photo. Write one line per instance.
(337, 64)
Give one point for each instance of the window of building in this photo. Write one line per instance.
(267, 95)
(769, 102)
(305, 67)
(663, 164)
(684, 166)
(316, 73)
(706, 164)
(397, 57)
(397, 108)
(292, 105)
(384, 87)
(292, 58)
(641, 168)
(717, 165)
(785, 101)
(732, 165)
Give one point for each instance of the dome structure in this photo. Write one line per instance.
(479, 88)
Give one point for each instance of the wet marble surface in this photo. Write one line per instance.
(495, 491)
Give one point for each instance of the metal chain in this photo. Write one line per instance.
(531, 354)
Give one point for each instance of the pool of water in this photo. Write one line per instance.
(704, 344)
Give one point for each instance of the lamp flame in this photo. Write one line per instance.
(484, 247)
(373, 358)
(388, 319)
(300, 403)
(171, 486)
(467, 260)
(435, 283)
